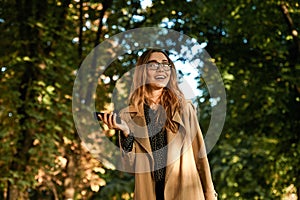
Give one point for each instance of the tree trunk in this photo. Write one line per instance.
(12, 192)
(69, 181)
(24, 11)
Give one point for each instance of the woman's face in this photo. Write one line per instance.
(158, 70)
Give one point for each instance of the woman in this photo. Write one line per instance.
(160, 140)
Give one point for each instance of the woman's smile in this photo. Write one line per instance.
(158, 75)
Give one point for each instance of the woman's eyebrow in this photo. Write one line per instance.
(157, 61)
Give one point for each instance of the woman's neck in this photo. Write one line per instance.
(155, 95)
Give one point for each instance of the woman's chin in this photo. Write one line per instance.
(158, 85)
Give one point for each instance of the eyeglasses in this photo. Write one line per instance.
(155, 66)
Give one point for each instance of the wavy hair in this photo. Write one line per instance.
(171, 98)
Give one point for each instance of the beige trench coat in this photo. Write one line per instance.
(188, 175)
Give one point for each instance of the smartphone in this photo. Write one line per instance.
(118, 119)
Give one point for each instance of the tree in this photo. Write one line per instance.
(255, 45)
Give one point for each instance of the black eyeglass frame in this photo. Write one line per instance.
(152, 65)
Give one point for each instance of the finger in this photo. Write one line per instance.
(110, 120)
(104, 119)
(115, 120)
(100, 117)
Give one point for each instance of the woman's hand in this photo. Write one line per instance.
(110, 121)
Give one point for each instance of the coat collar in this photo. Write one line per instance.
(140, 129)
(139, 112)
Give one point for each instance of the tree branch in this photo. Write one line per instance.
(293, 32)
(106, 4)
(80, 28)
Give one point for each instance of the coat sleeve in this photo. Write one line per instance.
(200, 156)
(127, 156)
(126, 143)
(127, 148)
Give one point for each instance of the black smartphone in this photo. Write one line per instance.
(118, 119)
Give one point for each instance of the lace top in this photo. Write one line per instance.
(158, 142)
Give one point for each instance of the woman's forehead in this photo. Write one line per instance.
(158, 56)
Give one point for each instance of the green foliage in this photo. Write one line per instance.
(255, 44)
(119, 186)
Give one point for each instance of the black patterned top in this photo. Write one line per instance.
(158, 142)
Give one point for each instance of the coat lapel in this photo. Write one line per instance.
(175, 144)
(138, 127)
(177, 118)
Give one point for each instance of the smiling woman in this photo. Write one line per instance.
(160, 138)
(158, 72)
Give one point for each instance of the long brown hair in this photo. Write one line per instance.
(171, 98)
